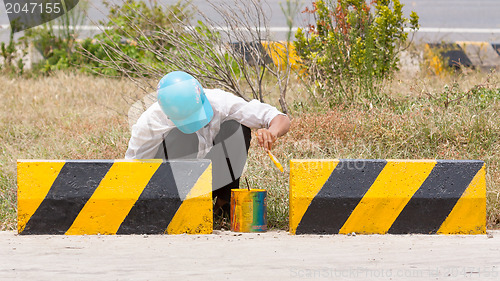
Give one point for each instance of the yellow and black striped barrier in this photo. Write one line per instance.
(481, 55)
(114, 197)
(387, 196)
(280, 53)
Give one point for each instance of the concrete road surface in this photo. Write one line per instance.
(268, 256)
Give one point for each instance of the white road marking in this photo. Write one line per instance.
(285, 29)
(457, 30)
(60, 27)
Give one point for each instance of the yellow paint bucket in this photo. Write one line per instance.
(248, 210)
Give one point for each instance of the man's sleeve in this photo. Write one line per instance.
(148, 133)
(253, 114)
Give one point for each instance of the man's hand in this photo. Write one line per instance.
(266, 138)
(278, 127)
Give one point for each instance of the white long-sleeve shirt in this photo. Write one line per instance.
(153, 125)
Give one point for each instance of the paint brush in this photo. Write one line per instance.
(275, 161)
(248, 186)
(273, 158)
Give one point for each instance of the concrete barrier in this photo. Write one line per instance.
(114, 197)
(481, 55)
(277, 52)
(282, 53)
(387, 196)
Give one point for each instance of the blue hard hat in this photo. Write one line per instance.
(182, 99)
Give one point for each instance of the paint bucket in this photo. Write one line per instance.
(248, 210)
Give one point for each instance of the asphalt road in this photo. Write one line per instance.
(268, 256)
(441, 20)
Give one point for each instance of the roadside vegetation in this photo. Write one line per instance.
(55, 118)
(62, 109)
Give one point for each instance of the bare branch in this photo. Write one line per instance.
(224, 51)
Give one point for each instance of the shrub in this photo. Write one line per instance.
(353, 46)
(9, 55)
(56, 41)
(223, 51)
(117, 49)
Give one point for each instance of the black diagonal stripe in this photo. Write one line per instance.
(341, 193)
(71, 190)
(432, 203)
(160, 199)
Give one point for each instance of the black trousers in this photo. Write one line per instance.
(228, 154)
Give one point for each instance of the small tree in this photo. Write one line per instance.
(353, 45)
(225, 51)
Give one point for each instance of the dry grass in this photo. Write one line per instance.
(74, 116)
(412, 123)
(67, 116)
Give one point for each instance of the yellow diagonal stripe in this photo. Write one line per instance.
(195, 215)
(114, 197)
(280, 52)
(307, 177)
(469, 214)
(34, 179)
(387, 196)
